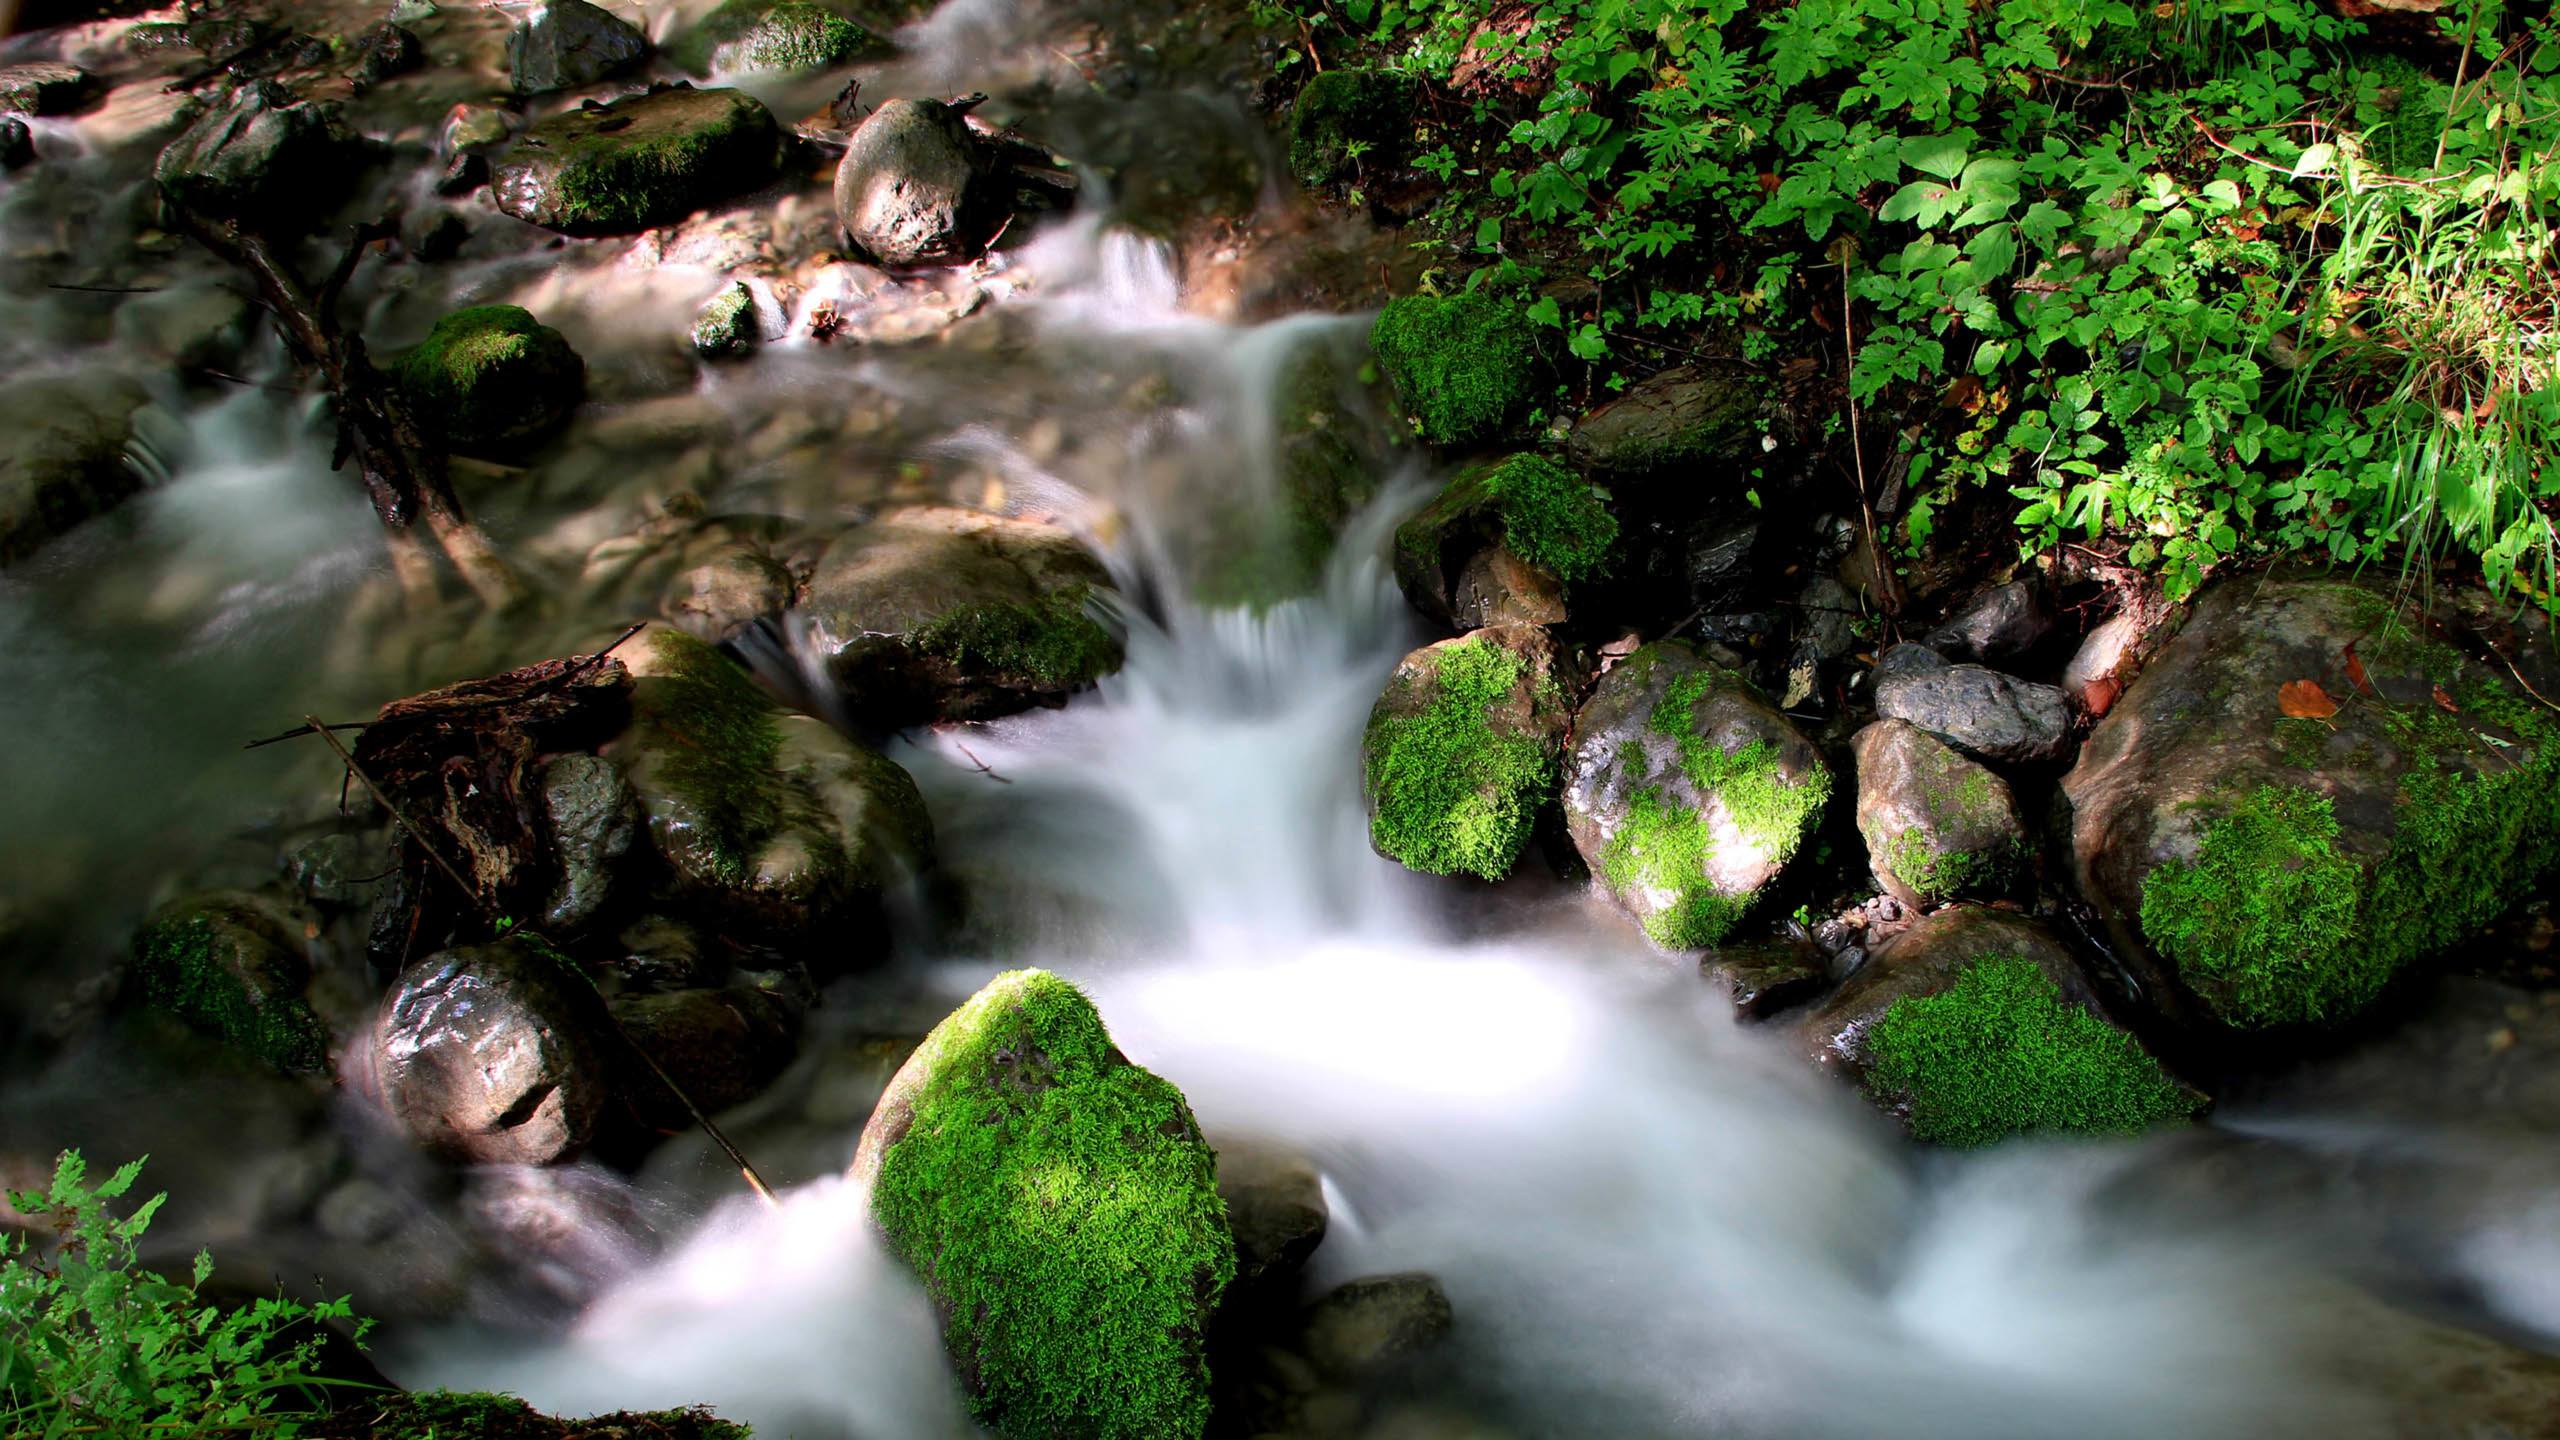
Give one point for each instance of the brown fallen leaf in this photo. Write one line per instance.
(2100, 695)
(2305, 700)
(2444, 702)
(2355, 672)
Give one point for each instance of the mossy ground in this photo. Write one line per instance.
(1462, 365)
(186, 962)
(1550, 518)
(774, 37)
(2003, 1053)
(1051, 641)
(489, 373)
(478, 1415)
(1064, 1215)
(1450, 794)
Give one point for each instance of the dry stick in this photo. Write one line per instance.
(710, 1127)
(1857, 445)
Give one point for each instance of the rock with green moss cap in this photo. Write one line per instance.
(1464, 367)
(767, 821)
(1345, 109)
(727, 326)
(1530, 507)
(1938, 826)
(2275, 869)
(490, 378)
(1673, 423)
(935, 612)
(643, 160)
(1460, 751)
(1975, 1025)
(231, 964)
(1687, 792)
(786, 37)
(1062, 1210)
(63, 439)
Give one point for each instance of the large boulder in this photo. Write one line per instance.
(768, 822)
(2301, 794)
(1062, 1210)
(1687, 792)
(491, 378)
(491, 1054)
(918, 187)
(1980, 711)
(261, 156)
(62, 454)
(1682, 419)
(1463, 366)
(774, 37)
(570, 44)
(1460, 751)
(1974, 1025)
(934, 612)
(1532, 508)
(643, 160)
(231, 964)
(1938, 826)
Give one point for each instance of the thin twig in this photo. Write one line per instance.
(111, 289)
(983, 767)
(1857, 445)
(298, 731)
(592, 661)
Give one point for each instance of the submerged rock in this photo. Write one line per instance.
(262, 156)
(62, 454)
(490, 1054)
(1463, 366)
(44, 87)
(640, 161)
(1683, 419)
(1276, 1207)
(1938, 827)
(1364, 1326)
(1687, 793)
(1061, 1209)
(1340, 107)
(232, 965)
(722, 1047)
(724, 596)
(1762, 980)
(934, 612)
(385, 51)
(491, 377)
(2303, 793)
(17, 143)
(1975, 1025)
(1532, 508)
(569, 44)
(774, 37)
(1460, 752)
(918, 187)
(1982, 712)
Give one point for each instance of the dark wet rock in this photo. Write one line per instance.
(789, 37)
(1975, 1024)
(1275, 1204)
(442, 236)
(1826, 630)
(62, 454)
(1500, 588)
(1999, 625)
(918, 187)
(2281, 831)
(1092, 1320)
(262, 156)
(338, 871)
(491, 378)
(1687, 793)
(570, 44)
(658, 953)
(718, 599)
(492, 1054)
(1938, 826)
(1365, 1326)
(727, 326)
(1463, 366)
(1722, 579)
(935, 612)
(1344, 106)
(1460, 751)
(1536, 510)
(642, 160)
(44, 87)
(768, 822)
(592, 817)
(721, 1047)
(1681, 420)
(386, 51)
(1762, 980)
(1980, 711)
(17, 144)
(232, 964)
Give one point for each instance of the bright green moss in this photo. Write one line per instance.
(224, 974)
(1343, 108)
(680, 150)
(1051, 640)
(1064, 1215)
(1771, 812)
(720, 744)
(1938, 876)
(2260, 923)
(1449, 794)
(774, 36)
(1665, 847)
(2002, 1053)
(1463, 365)
(2303, 743)
(491, 374)
(1550, 518)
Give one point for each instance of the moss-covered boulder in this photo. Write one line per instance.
(1346, 108)
(790, 37)
(918, 187)
(1938, 826)
(2303, 793)
(490, 378)
(1534, 509)
(768, 822)
(1975, 1025)
(643, 160)
(231, 964)
(62, 454)
(1464, 367)
(569, 44)
(1687, 792)
(495, 1054)
(1062, 1210)
(727, 326)
(261, 155)
(1460, 752)
(935, 612)
(1675, 422)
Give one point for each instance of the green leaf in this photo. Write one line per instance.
(2315, 160)
(1939, 155)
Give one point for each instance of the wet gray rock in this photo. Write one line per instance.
(640, 161)
(43, 87)
(723, 1047)
(1722, 579)
(2104, 664)
(1980, 711)
(491, 1054)
(232, 964)
(62, 454)
(1997, 626)
(718, 599)
(1938, 826)
(261, 155)
(1762, 980)
(1679, 420)
(385, 51)
(1275, 1203)
(1499, 588)
(570, 44)
(592, 817)
(935, 612)
(918, 187)
(1366, 1326)
(17, 144)
(659, 953)
(338, 871)
(1827, 617)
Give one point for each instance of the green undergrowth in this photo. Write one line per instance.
(1064, 1214)
(1449, 793)
(480, 1415)
(1463, 366)
(1550, 518)
(2003, 1053)
(1052, 640)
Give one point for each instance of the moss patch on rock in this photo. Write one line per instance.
(723, 741)
(2002, 1053)
(1450, 793)
(491, 376)
(223, 966)
(1463, 366)
(640, 161)
(1051, 640)
(726, 327)
(1550, 518)
(479, 1415)
(1342, 114)
(774, 37)
(1666, 846)
(1063, 1212)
